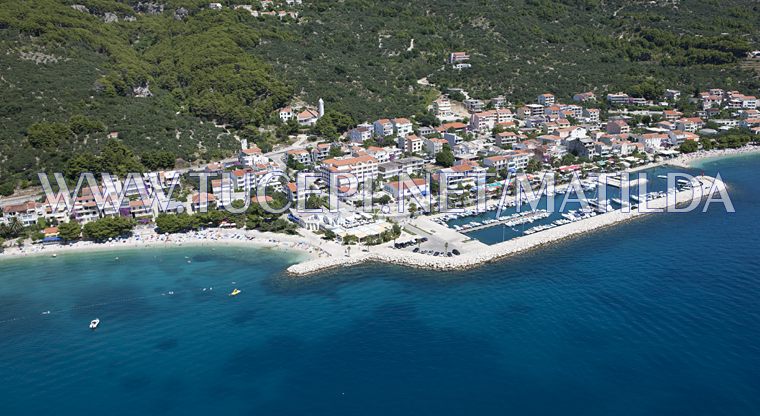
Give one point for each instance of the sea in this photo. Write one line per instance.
(656, 316)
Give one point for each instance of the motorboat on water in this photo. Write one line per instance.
(235, 292)
(94, 323)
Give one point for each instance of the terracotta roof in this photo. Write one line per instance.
(350, 161)
(197, 198)
(415, 181)
(252, 151)
(19, 207)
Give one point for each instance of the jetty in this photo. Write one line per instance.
(482, 254)
(510, 221)
(615, 182)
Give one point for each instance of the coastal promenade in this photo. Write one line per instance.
(485, 254)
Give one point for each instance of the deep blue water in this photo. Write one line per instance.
(658, 316)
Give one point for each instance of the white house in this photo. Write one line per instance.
(302, 156)
(308, 117)
(407, 188)
(361, 133)
(252, 157)
(403, 127)
(442, 107)
(286, 114)
(546, 100)
(434, 145)
(411, 143)
(383, 127)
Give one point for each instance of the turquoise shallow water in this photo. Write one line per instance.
(656, 316)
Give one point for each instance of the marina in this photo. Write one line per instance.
(480, 254)
(509, 221)
(616, 182)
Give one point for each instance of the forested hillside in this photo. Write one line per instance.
(358, 51)
(159, 72)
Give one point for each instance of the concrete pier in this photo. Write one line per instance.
(485, 254)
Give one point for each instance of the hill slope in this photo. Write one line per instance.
(71, 74)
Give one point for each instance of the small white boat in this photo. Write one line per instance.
(94, 323)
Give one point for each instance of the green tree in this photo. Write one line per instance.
(350, 239)
(48, 135)
(689, 146)
(294, 164)
(335, 151)
(80, 124)
(568, 159)
(170, 223)
(107, 228)
(12, 230)
(7, 189)
(158, 159)
(70, 231)
(118, 159)
(81, 163)
(533, 166)
(445, 157)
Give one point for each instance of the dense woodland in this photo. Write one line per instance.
(69, 78)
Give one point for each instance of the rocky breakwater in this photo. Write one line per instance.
(497, 251)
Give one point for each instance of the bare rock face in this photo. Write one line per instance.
(79, 7)
(110, 17)
(181, 13)
(142, 91)
(149, 8)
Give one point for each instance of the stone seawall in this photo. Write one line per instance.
(506, 248)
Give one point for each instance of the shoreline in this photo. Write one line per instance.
(209, 238)
(686, 161)
(504, 249)
(320, 255)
